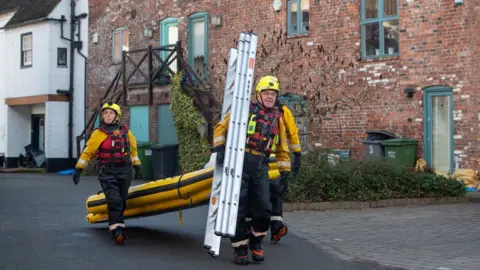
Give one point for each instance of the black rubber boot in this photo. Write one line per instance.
(278, 230)
(255, 245)
(118, 235)
(241, 255)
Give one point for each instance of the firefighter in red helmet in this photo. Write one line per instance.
(116, 150)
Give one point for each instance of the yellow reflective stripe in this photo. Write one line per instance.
(257, 234)
(83, 162)
(284, 164)
(135, 158)
(219, 139)
(279, 218)
(240, 243)
(295, 146)
(114, 226)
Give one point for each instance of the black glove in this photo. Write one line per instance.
(284, 181)
(76, 175)
(220, 150)
(296, 162)
(138, 173)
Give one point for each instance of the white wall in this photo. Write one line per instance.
(18, 131)
(38, 109)
(59, 76)
(56, 130)
(3, 126)
(45, 77)
(21, 82)
(3, 108)
(3, 112)
(2, 66)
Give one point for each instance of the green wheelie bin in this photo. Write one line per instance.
(145, 156)
(403, 151)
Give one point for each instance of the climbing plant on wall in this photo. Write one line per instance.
(193, 147)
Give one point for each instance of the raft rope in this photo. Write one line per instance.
(180, 215)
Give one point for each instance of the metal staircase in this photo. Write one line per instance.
(150, 67)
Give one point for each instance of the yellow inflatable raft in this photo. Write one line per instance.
(162, 196)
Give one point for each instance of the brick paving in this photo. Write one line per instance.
(445, 236)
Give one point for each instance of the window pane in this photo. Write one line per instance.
(390, 7)
(27, 42)
(62, 57)
(116, 46)
(371, 9)
(305, 15)
(441, 133)
(27, 57)
(172, 39)
(126, 40)
(293, 17)
(199, 47)
(372, 41)
(391, 37)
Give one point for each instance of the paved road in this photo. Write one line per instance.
(417, 237)
(43, 226)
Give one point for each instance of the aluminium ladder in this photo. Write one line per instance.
(225, 194)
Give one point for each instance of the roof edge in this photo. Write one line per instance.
(16, 25)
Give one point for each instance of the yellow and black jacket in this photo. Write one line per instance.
(281, 149)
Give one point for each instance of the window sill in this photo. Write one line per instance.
(299, 35)
(24, 67)
(62, 66)
(370, 59)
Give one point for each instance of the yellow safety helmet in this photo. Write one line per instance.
(112, 106)
(268, 83)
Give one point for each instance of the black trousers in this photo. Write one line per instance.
(115, 182)
(276, 199)
(254, 198)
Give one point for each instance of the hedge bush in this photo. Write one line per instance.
(319, 180)
(194, 150)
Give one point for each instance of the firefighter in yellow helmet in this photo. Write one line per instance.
(278, 187)
(266, 134)
(115, 148)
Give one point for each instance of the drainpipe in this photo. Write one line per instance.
(85, 68)
(74, 19)
(70, 87)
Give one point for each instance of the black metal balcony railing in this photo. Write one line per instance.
(145, 68)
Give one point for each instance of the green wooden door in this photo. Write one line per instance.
(438, 125)
(166, 126)
(139, 123)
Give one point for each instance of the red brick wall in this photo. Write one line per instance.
(439, 45)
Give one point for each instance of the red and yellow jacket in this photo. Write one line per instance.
(94, 143)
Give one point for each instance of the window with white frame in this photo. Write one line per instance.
(26, 50)
(380, 28)
(120, 40)
(298, 17)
